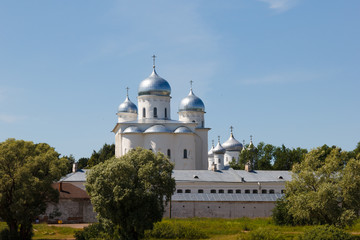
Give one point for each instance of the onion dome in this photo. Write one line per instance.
(132, 129)
(182, 130)
(251, 145)
(127, 106)
(219, 149)
(192, 103)
(211, 151)
(232, 144)
(157, 129)
(154, 85)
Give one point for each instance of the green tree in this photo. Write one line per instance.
(82, 163)
(131, 192)
(106, 152)
(324, 188)
(27, 171)
(70, 161)
(285, 158)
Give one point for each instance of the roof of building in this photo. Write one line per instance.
(127, 106)
(218, 197)
(192, 103)
(154, 85)
(207, 176)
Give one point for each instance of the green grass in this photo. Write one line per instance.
(215, 228)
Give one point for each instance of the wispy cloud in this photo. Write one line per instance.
(280, 5)
(282, 78)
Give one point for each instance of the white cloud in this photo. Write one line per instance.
(280, 5)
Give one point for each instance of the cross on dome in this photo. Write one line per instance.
(191, 82)
(127, 91)
(153, 57)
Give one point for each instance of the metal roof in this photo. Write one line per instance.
(218, 197)
(207, 176)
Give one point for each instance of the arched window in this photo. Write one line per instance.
(165, 113)
(169, 153)
(185, 153)
(144, 113)
(247, 190)
(230, 191)
(200, 191)
(255, 191)
(263, 191)
(272, 191)
(221, 190)
(187, 191)
(219, 161)
(179, 191)
(202, 123)
(155, 112)
(212, 191)
(238, 191)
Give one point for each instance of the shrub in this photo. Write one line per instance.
(325, 232)
(165, 230)
(93, 231)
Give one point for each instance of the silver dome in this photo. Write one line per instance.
(157, 129)
(219, 149)
(132, 129)
(182, 130)
(154, 85)
(192, 103)
(211, 152)
(232, 144)
(127, 106)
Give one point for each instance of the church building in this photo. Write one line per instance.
(183, 141)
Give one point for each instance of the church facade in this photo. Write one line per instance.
(183, 141)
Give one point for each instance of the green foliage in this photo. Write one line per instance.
(175, 230)
(27, 171)
(324, 189)
(325, 232)
(268, 157)
(262, 234)
(70, 161)
(82, 163)
(105, 153)
(95, 231)
(130, 192)
(280, 213)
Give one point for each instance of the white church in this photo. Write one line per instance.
(183, 141)
(205, 184)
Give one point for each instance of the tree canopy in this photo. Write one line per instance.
(324, 189)
(131, 192)
(106, 152)
(27, 171)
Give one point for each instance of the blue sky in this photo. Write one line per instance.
(285, 71)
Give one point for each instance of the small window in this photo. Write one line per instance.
(155, 112)
(272, 191)
(282, 191)
(165, 113)
(219, 161)
(221, 190)
(200, 191)
(185, 153)
(247, 191)
(187, 191)
(230, 191)
(169, 153)
(179, 191)
(255, 191)
(238, 191)
(144, 113)
(202, 123)
(264, 191)
(212, 191)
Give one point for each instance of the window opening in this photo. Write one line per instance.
(155, 112)
(185, 153)
(144, 113)
(187, 191)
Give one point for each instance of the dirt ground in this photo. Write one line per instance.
(75, 225)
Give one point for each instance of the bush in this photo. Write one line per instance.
(262, 234)
(325, 232)
(92, 232)
(166, 230)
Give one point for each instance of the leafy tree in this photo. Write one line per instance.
(130, 192)
(70, 161)
(106, 152)
(324, 188)
(82, 163)
(27, 171)
(285, 158)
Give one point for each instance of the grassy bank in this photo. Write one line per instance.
(219, 229)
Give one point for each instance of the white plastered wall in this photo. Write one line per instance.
(149, 102)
